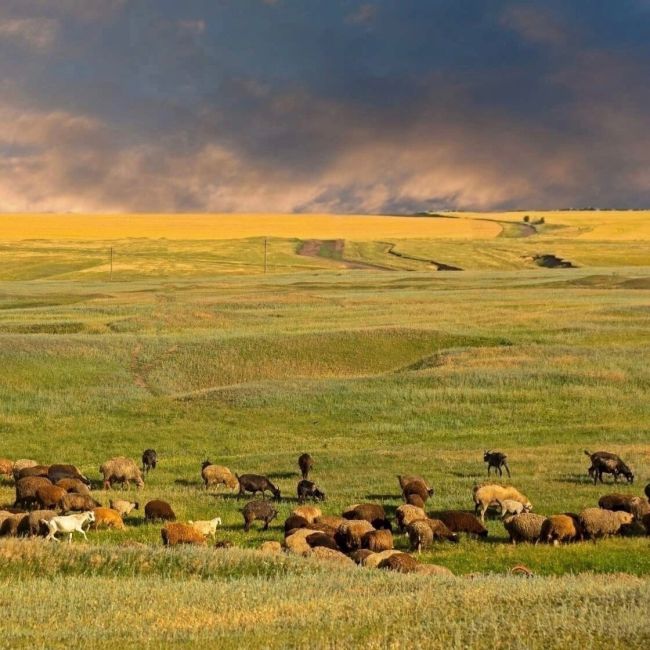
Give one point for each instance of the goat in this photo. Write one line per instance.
(498, 460)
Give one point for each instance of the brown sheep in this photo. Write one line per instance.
(121, 470)
(462, 522)
(73, 485)
(107, 518)
(420, 535)
(597, 522)
(405, 480)
(416, 488)
(440, 531)
(158, 510)
(218, 475)
(26, 490)
(322, 539)
(415, 500)
(261, 510)
(293, 522)
(625, 503)
(526, 527)
(20, 464)
(349, 535)
(407, 513)
(360, 555)
(560, 528)
(10, 525)
(488, 495)
(50, 497)
(58, 471)
(34, 519)
(6, 467)
(174, 534)
(646, 523)
(36, 470)
(400, 562)
(371, 512)
(306, 464)
(73, 502)
(377, 540)
(310, 513)
(123, 507)
(330, 520)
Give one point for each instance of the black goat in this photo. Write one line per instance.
(498, 460)
(604, 462)
(255, 483)
(309, 490)
(306, 463)
(149, 460)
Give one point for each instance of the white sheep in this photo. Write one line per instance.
(68, 524)
(512, 507)
(206, 528)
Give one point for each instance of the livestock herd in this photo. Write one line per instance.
(56, 500)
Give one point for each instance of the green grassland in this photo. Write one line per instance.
(191, 350)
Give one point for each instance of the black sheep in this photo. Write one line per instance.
(149, 460)
(158, 510)
(255, 483)
(309, 490)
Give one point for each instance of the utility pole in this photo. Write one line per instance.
(111, 274)
(266, 254)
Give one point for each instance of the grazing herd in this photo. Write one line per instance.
(56, 500)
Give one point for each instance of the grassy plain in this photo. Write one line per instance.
(193, 351)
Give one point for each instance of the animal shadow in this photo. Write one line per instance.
(382, 497)
(186, 482)
(283, 475)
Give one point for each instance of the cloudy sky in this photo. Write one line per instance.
(323, 105)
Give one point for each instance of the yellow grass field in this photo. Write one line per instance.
(14, 227)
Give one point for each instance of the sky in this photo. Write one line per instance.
(383, 106)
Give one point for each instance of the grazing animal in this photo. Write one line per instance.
(26, 490)
(36, 470)
(293, 522)
(420, 535)
(349, 535)
(488, 495)
(123, 507)
(35, 525)
(498, 460)
(11, 524)
(371, 512)
(400, 562)
(310, 513)
(626, 503)
(309, 490)
(647, 490)
(377, 540)
(407, 513)
(327, 520)
(57, 472)
(511, 507)
(462, 522)
(73, 502)
(646, 524)
(174, 534)
(261, 510)
(255, 483)
(604, 462)
(20, 464)
(440, 531)
(217, 475)
(73, 485)
(68, 524)
(149, 460)
(306, 464)
(121, 470)
(405, 480)
(50, 497)
(415, 500)
(361, 555)
(319, 539)
(526, 527)
(158, 510)
(108, 518)
(207, 528)
(597, 522)
(561, 528)
(418, 489)
(6, 467)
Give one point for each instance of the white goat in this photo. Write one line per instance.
(68, 524)
(206, 528)
(512, 507)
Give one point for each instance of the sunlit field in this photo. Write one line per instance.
(376, 364)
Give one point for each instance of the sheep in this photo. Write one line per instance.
(462, 522)
(68, 524)
(271, 548)
(496, 459)
(36, 470)
(330, 555)
(309, 490)
(646, 523)
(400, 562)
(405, 480)
(526, 527)
(420, 535)
(377, 540)
(158, 510)
(296, 543)
(415, 500)
(415, 488)
(433, 570)
(361, 555)
(373, 560)
(6, 467)
(371, 512)
(261, 510)
(294, 522)
(217, 475)
(121, 470)
(597, 522)
(647, 490)
(26, 490)
(511, 507)
(440, 531)
(149, 460)
(626, 503)
(123, 507)
(56, 472)
(255, 483)
(310, 513)
(10, 524)
(407, 513)
(560, 528)
(109, 518)
(35, 525)
(73, 485)
(486, 495)
(349, 535)
(50, 497)
(20, 464)
(306, 464)
(72, 502)
(319, 538)
(604, 462)
(174, 534)
(328, 520)
(207, 528)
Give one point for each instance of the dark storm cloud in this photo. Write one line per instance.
(343, 105)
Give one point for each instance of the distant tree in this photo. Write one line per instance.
(526, 219)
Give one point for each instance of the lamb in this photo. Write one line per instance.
(6, 467)
(158, 510)
(57, 472)
(377, 540)
(462, 522)
(293, 522)
(496, 459)
(401, 562)
(218, 475)
(108, 518)
(626, 503)
(371, 512)
(20, 464)
(149, 460)
(123, 507)
(261, 510)
(68, 524)
(349, 535)
(406, 514)
(72, 502)
(255, 483)
(604, 462)
(26, 490)
(121, 470)
(486, 495)
(418, 489)
(526, 527)
(306, 464)
(310, 513)
(207, 528)
(597, 522)
(560, 528)
(511, 507)
(405, 480)
(174, 534)
(309, 490)
(73, 485)
(50, 497)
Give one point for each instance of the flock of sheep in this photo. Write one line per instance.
(56, 500)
